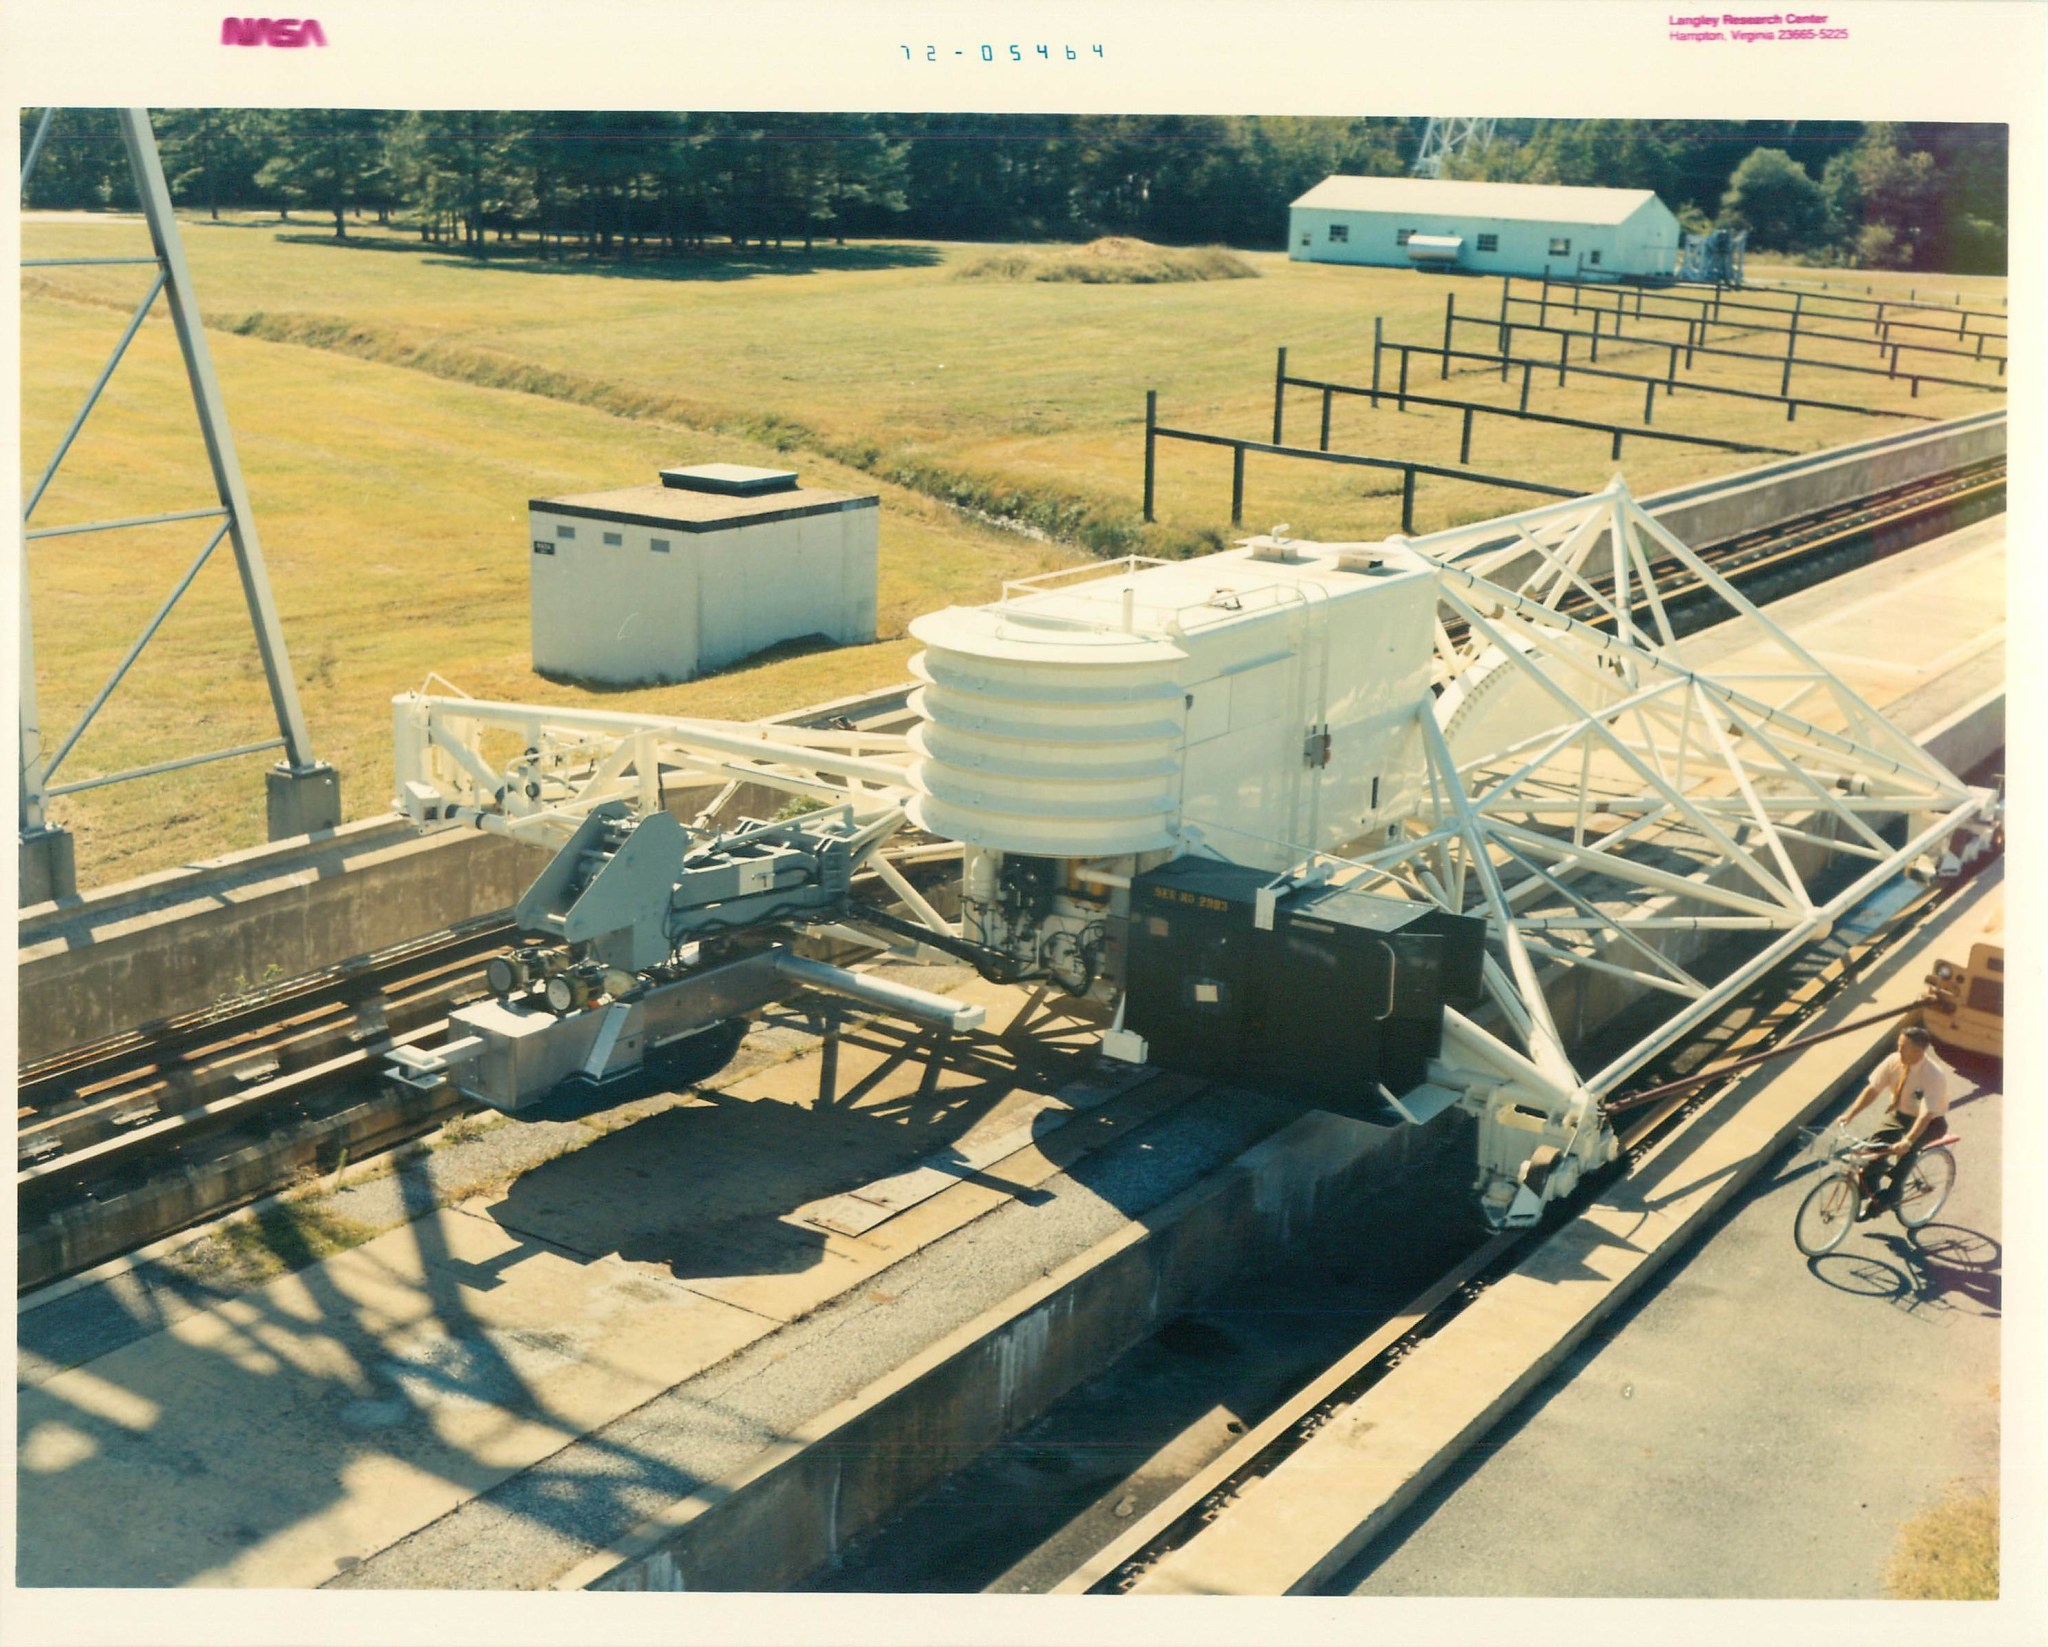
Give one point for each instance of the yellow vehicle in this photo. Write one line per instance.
(1966, 1005)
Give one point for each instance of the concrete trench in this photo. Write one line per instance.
(1325, 1177)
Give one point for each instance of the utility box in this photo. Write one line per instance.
(1342, 994)
(654, 584)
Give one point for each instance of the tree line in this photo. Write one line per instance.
(613, 184)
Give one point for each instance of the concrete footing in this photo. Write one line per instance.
(304, 801)
(49, 867)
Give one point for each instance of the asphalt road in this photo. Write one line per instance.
(1756, 1425)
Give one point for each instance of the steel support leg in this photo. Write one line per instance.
(155, 196)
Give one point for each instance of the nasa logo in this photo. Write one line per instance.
(271, 31)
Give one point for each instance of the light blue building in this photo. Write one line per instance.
(1484, 228)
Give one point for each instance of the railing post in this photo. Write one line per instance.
(1614, 451)
(1465, 439)
(1671, 366)
(1527, 367)
(1450, 318)
(1237, 486)
(1408, 502)
(1401, 394)
(1543, 302)
(1376, 323)
(1791, 344)
(1564, 349)
(1327, 398)
(1791, 411)
(1649, 402)
(1151, 445)
(1507, 348)
(1279, 396)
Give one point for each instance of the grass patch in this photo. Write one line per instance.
(395, 419)
(1112, 261)
(465, 1129)
(274, 1242)
(1948, 1553)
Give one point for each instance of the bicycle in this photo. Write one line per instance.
(1831, 1206)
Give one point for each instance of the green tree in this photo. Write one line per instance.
(1889, 204)
(333, 160)
(1772, 197)
(210, 156)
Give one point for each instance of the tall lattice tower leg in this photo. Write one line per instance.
(303, 794)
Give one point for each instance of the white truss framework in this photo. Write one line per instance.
(1445, 135)
(1613, 796)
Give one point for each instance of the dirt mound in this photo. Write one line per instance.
(1114, 260)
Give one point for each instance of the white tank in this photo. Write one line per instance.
(1179, 704)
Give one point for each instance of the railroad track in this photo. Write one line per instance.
(133, 1138)
(1778, 559)
(979, 1531)
(129, 1139)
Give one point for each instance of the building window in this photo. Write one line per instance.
(1339, 233)
(1560, 246)
(615, 540)
(565, 531)
(1305, 237)
(658, 545)
(1401, 236)
(1489, 243)
(1592, 259)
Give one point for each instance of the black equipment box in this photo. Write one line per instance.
(1345, 993)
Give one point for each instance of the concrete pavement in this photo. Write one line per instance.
(1754, 1425)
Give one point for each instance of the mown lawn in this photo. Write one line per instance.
(396, 407)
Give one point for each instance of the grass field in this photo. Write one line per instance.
(396, 406)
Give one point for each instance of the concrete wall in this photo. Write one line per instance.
(131, 955)
(1708, 512)
(1762, 497)
(1325, 1177)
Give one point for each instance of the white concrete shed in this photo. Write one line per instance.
(1484, 228)
(709, 565)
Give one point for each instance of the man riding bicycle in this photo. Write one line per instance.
(1916, 1085)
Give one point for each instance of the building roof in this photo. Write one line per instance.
(686, 511)
(1526, 202)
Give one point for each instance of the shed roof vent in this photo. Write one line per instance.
(729, 479)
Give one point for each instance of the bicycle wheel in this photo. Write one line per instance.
(1825, 1215)
(1925, 1191)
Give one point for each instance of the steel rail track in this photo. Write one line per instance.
(1806, 545)
(48, 1085)
(105, 1126)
